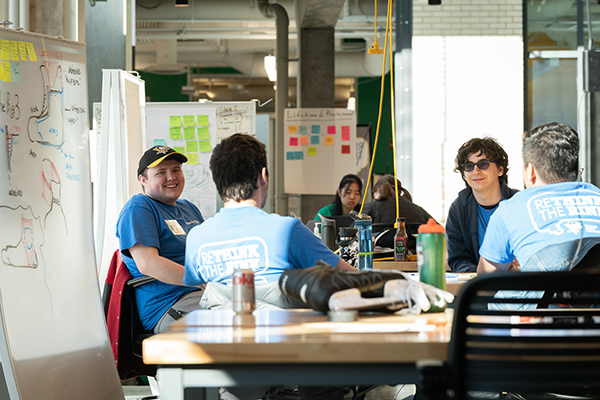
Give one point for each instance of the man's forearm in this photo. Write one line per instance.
(150, 263)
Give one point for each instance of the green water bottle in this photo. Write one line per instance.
(431, 257)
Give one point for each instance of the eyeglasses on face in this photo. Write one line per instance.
(481, 164)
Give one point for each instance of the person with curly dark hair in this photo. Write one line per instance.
(483, 166)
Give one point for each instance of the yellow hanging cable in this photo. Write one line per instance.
(375, 47)
(389, 22)
(378, 121)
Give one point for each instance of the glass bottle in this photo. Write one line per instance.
(400, 241)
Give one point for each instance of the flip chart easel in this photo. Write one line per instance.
(53, 339)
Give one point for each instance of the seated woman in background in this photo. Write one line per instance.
(347, 198)
(383, 210)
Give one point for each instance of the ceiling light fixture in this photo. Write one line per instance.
(182, 3)
(271, 67)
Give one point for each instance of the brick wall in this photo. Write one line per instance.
(468, 18)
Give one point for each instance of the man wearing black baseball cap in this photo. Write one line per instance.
(152, 229)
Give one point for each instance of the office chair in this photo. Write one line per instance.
(125, 329)
(531, 353)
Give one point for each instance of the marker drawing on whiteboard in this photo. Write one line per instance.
(47, 127)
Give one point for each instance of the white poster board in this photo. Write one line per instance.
(194, 129)
(54, 342)
(319, 147)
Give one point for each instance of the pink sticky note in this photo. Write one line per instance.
(345, 149)
(331, 129)
(293, 141)
(304, 140)
(345, 135)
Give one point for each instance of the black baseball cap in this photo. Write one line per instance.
(157, 154)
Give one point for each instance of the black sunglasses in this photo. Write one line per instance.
(481, 164)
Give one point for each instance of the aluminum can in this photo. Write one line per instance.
(243, 291)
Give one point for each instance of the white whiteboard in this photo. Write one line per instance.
(319, 149)
(194, 129)
(50, 307)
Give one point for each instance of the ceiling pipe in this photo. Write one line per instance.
(281, 95)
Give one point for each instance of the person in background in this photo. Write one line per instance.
(152, 229)
(383, 208)
(347, 198)
(483, 165)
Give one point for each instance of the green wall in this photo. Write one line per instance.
(369, 92)
(161, 87)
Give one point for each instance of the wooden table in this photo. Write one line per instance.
(212, 349)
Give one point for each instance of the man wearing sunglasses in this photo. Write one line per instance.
(483, 165)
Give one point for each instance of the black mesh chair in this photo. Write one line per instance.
(530, 352)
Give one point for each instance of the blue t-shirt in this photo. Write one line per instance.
(541, 216)
(248, 237)
(483, 219)
(154, 224)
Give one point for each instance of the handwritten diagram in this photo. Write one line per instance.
(47, 127)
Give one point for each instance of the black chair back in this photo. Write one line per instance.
(526, 351)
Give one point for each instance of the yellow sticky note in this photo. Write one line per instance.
(328, 140)
(14, 51)
(179, 149)
(312, 151)
(192, 158)
(203, 133)
(22, 50)
(175, 133)
(293, 128)
(6, 71)
(189, 120)
(204, 146)
(174, 120)
(202, 120)
(6, 50)
(30, 51)
(189, 133)
(191, 146)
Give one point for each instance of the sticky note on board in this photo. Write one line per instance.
(203, 133)
(174, 120)
(304, 141)
(312, 151)
(160, 142)
(191, 146)
(178, 149)
(331, 129)
(22, 50)
(345, 149)
(329, 141)
(192, 158)
(202, 120)
(315, 129)
(345, 135)
(30, 51)
(189, 133)
(315, 140)
(293, 129)
(302, 129)
(6, 71)
(293, 141)
(189, 120)
(14, 51)
(204, 146)
(295, 155)
(15, 74)
(175, 133)
(6, 50)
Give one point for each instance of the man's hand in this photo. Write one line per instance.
(486, 266)
(150, 263)
(344, 266)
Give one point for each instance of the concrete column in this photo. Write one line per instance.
(46, 16)
(316, 89)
